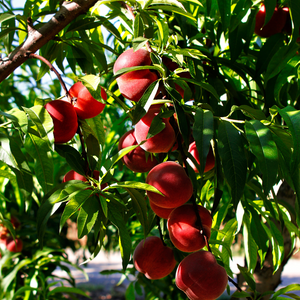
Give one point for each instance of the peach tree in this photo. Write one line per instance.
(167, 130)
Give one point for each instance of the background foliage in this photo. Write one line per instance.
(245, 92)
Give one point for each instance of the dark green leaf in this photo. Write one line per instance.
(203, 130)
(39, 150)
(264, 148)
(74, 204)
(87, 216)
(231, 150)
(115, 216)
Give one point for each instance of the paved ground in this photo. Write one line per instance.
(110, 290)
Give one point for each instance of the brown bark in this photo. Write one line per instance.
(39, 37)
(264, 277)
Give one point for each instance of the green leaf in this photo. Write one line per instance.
(292, 118)
(22, 290)
(97, 127)
(248, 277)
(183, 124)
(269, 48)
(270, 7)
(74, 204)
(259, 234)
(225, 12)
(265, 150)
(157, 125)
(110, 162)
(250, 245)
(138, 26)
(145, 102)
(5, 153)
(280, 59)
(6, 17)
(139, 205)
(7, 280)
(203, 130)
(163, 30)
(231, 150)
(284, 290)
(116, 217)
(43, 121)
(176, 10)
(130, 292)
(87, 216)
(68, 290)
(72, 156)
(39, 150)
(134, 185)
(83, 24)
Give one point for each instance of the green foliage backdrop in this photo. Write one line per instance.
(244, 91)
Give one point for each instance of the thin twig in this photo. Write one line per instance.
(44, 60)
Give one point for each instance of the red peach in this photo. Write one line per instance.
(172, 181)
(64, 119)
(183, 228)
(160, 211)
(201, 277)
(134, 88)
(132, 85)
(160, 143)
(275, 25)
(131, 58)
(14, 245)
(152, 258)
(86, 105)
(136, 159)
(210, 159)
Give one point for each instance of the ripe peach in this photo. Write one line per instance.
(14, 245)
(275, 25)
(86, 106)
(201, 277)
(132, 85)
(64, 119)
(160, 143)
(131, 58)
(152, 258)
(160, 211)
(171, 180)
(210, 159)
(136, 160)
(183, 228)
(134, 88)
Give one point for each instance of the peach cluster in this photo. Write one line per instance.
(156, 260)
(65, 114)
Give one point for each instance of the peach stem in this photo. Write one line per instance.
(44, 60)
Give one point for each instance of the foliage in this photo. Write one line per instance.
(245, 92)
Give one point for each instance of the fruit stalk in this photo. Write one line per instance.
(44, 60)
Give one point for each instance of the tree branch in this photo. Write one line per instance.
(39, 37)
